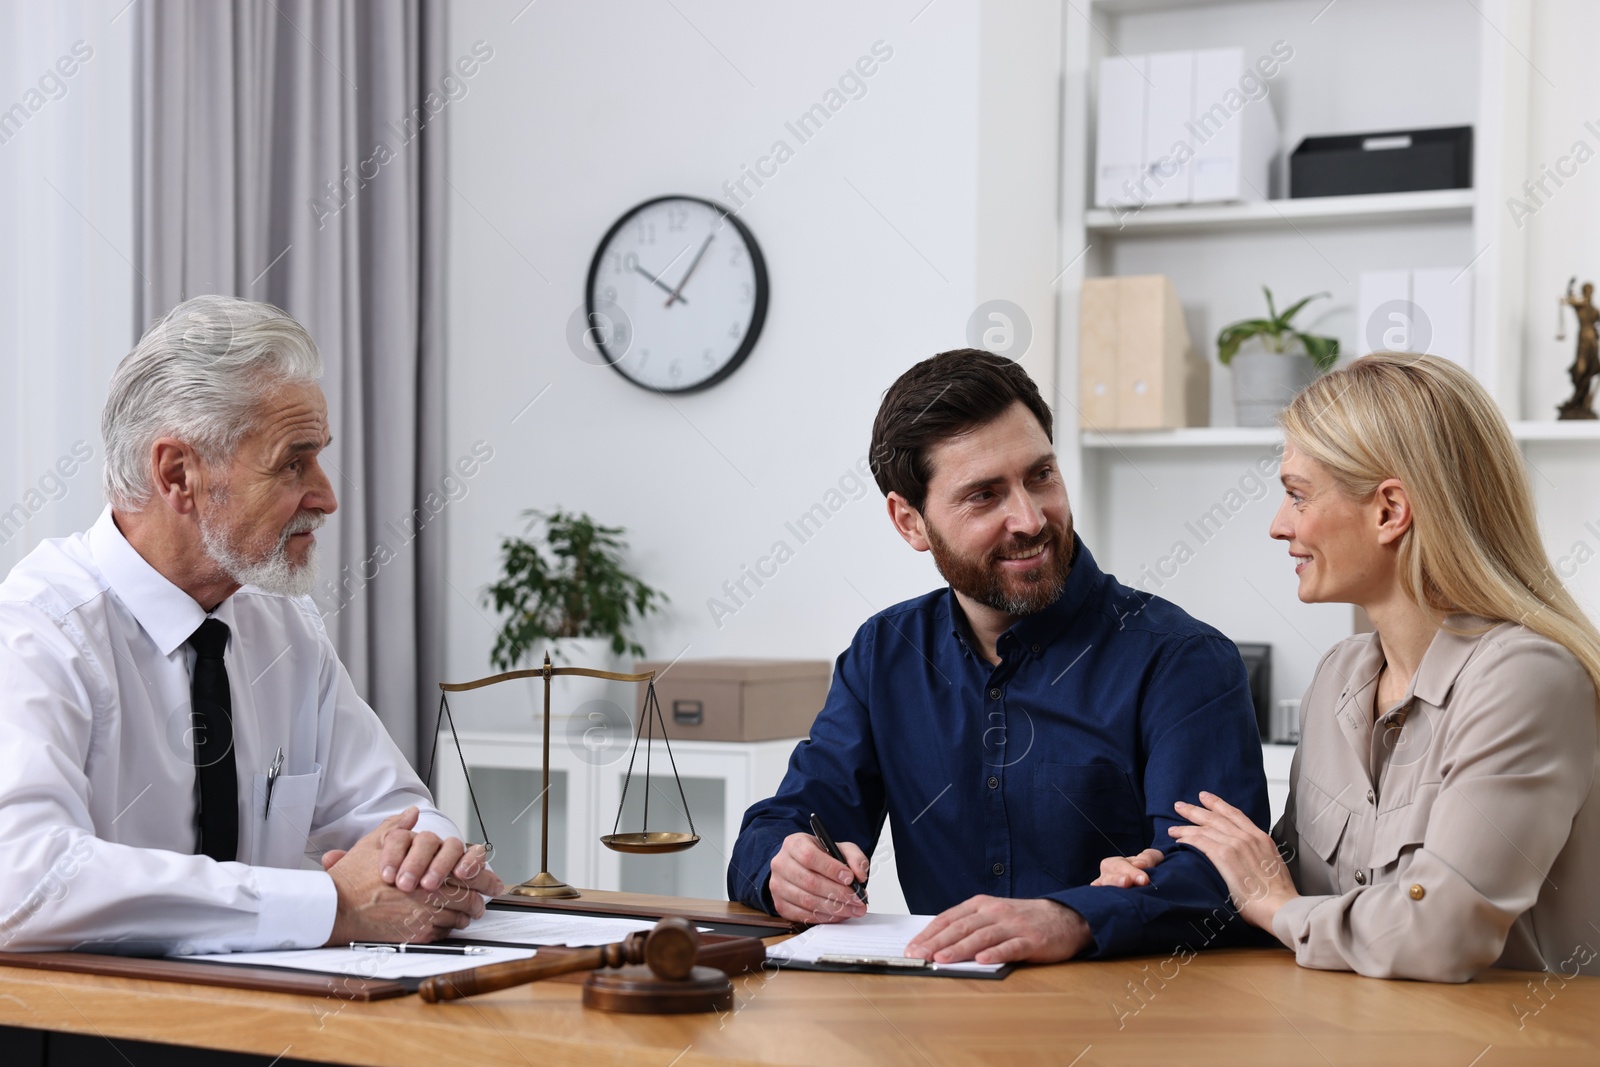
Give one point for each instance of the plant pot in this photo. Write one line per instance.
(1264, 382)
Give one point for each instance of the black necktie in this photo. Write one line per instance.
(212, 721)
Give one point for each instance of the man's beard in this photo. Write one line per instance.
(275, 572)
(986, 582)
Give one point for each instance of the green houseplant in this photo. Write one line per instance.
(567, 583)
(1284, 361)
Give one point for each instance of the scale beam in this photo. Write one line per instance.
(545, 884)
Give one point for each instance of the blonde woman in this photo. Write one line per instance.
(1443, 814)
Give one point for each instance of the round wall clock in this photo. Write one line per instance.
(677, 294)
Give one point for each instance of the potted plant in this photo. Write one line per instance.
(566, 585)
(1282, 362)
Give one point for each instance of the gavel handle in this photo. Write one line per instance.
(493, 976)
(731, 957)
(736, 956)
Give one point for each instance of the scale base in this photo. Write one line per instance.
(543, 884)
(636, 990)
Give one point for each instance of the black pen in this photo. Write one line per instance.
(821, 833)
(437, 950)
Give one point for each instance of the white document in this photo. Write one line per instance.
(546, 928)
(873, 935)
(369, 963)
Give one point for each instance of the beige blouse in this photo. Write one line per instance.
(1459, 830)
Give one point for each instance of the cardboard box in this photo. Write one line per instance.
(1137, 367)
(740, 699)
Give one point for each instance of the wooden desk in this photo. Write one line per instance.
(1237, 1007)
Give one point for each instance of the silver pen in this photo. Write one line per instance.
(272, 779)
(438, 950)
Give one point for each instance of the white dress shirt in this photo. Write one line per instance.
(97, 777)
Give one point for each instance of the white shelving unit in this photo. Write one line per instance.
(1454, 205)
(1184, 513)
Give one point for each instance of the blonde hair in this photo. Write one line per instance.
(1473, 545)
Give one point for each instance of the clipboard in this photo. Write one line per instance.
(269, 979)
(230, 975)
(722, 920)
(873, 943)
(726, 922)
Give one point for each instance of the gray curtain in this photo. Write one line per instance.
(285, 153)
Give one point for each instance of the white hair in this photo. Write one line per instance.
(198, 374)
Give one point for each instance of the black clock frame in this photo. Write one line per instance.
(758, 316)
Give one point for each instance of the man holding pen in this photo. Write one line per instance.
(1018, 725)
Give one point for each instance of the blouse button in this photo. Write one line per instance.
(1361, 878)
(1371, 797)
(1417, 892)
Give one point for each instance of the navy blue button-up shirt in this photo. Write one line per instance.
(1016, 780)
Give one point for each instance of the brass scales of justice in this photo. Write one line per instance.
(645, 840)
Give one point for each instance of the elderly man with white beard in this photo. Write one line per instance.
(177, 733)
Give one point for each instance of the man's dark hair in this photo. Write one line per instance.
(946, 396)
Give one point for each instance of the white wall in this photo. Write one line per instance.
(871, 236)
(66, 238)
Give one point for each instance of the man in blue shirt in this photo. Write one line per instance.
(1018, 726)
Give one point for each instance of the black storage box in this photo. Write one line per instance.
(1258, 668)
(1401, 161)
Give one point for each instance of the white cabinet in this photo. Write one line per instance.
(720, 780)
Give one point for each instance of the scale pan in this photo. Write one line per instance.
(650, 841)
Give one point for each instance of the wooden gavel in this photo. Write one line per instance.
(671, 950)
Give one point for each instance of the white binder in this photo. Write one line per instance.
(1119, 136)
(1177, 128)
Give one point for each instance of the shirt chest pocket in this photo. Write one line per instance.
(1319, 820)
(1093, 798)
(283, 828)
(1401, 831)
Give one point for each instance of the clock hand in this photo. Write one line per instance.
(654, 280)
(692, 265)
